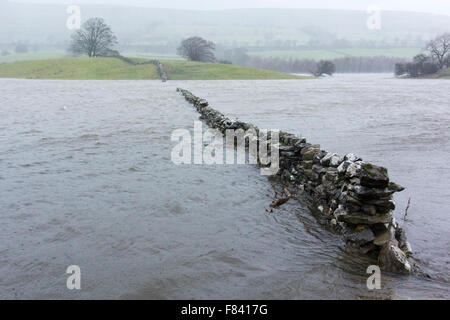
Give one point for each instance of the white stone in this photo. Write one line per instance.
(353, 169)
(342, 167)
(351, 157)
(335, 160)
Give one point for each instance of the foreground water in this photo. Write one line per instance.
(86, 179)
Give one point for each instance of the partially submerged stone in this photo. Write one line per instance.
(360, 237)
(382, 237)
(361, 218)
(393, 259)
(395, 187)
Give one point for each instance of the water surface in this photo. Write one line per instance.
(86, 179)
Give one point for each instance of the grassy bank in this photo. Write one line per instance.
(186, 70)
(282, 54)
(78, 69)
(115, 69)
(444, 74)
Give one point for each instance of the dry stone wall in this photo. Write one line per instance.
(157, 63)
(355, 197)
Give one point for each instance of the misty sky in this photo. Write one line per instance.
(433, 6)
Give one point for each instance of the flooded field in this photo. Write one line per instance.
(86, 179)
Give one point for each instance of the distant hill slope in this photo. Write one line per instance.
(115, 69)
(78, 69)
(37, 22)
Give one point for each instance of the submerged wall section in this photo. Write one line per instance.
(354, 196)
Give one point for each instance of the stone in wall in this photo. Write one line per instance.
(157, 63)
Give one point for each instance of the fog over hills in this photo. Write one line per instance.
(429, 6)
(239, 27)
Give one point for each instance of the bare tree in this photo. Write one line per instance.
(439, 48)
(197, 49)
(94, 39)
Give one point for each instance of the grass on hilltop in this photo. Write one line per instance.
(78, 69)
(282, 54)
(187, 70)
(115, 69)
(442, 74)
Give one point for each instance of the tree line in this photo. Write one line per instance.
(342, 65)
(437, 59)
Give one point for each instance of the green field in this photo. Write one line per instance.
(338, 53)
(115, 69)
(56, 54)
(300, 54)
(282, 54)
(185, 70)
(78, 69)
(40, 55)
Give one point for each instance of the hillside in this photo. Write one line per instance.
(283, 54)
(37, 23)
(282, 33)
(184, 70)
(78, 69)
(115, 69)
